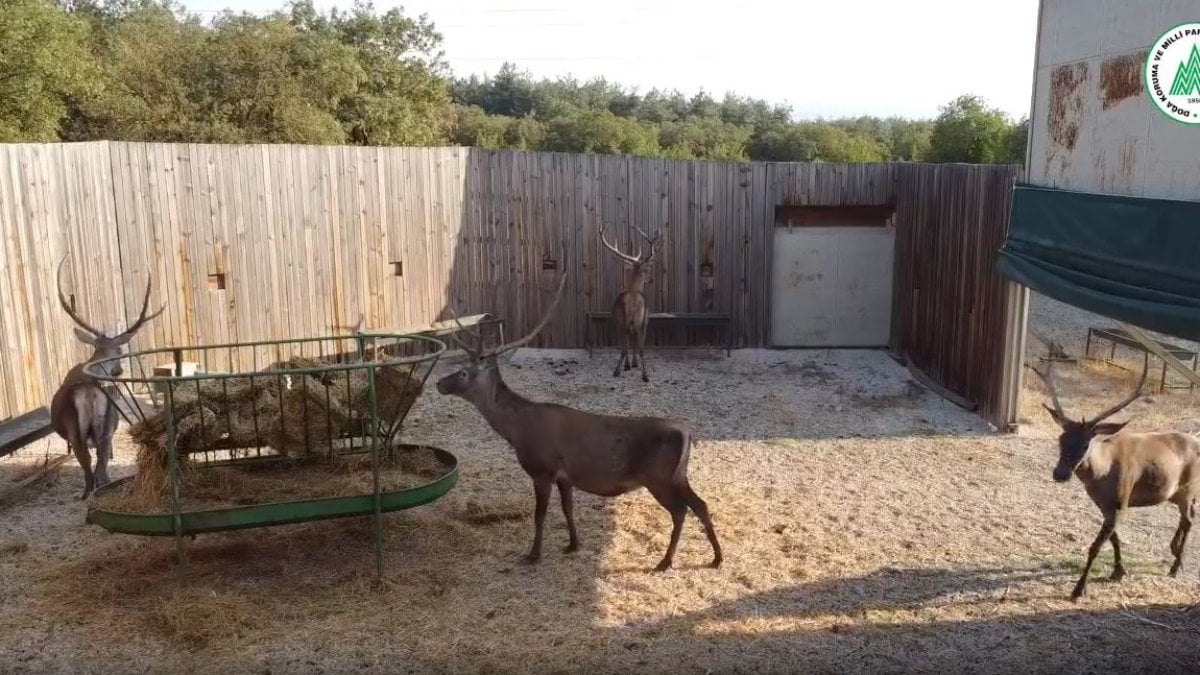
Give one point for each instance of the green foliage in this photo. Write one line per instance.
(399, 94)
(704, 138)
(600, 131)
(147, 70)
(967, 130)
(43, 63)
(289, 77)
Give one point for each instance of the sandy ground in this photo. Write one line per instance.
(868, 526)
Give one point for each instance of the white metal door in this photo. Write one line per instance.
(832, 286)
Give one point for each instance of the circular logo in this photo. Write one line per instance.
(1173, 73)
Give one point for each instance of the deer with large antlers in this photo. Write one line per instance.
(81, 412)
(603, 455)
(630, 318)
(1120, 470)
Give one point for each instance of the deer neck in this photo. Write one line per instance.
(1098, 461)
(503, 408)
(77, 377)
(636, 283)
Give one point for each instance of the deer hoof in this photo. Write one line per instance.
(530, 559)
(1077, 594)
(1173, 573)
(663, 566)
(1118, 574)
(715, 564)
(571, 548)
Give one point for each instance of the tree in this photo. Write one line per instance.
(473, 127)
(909, 140)
(1018, 139)
(44, 61)
(704, 138)
(603, 132)
(967, 130)
(148, 58)
(401, 95)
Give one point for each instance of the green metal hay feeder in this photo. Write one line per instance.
(317, 405)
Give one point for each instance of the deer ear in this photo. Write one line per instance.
(85, 337)
(1109, 428)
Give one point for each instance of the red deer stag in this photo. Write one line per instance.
(600, 454)
(1123, 470)
(629, 314)
(81, 412)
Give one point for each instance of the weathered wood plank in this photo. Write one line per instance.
(306, 238)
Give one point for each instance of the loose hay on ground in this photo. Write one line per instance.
(856, 542)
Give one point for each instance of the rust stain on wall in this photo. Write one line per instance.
(1066, 107)
(1121, 78)
(1066, 102)
(1128, 158)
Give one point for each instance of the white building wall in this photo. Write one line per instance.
(1092, 126)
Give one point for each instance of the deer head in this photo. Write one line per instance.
(479, 376)
(637, 264)
(103, 345)
(1076, 437)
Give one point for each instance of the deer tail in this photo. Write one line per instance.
(685, 452)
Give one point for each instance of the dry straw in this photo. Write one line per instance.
(279, 481)
(298, 416)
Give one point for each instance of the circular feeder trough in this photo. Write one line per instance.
(279, 513)
(319, 401)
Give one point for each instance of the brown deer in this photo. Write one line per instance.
(1120, 470)
(630, 318)
(600, 454)
(81, 412)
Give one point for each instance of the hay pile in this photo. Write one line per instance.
(278, 481)
(298, 416)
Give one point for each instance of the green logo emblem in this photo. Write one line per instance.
(1173, 73)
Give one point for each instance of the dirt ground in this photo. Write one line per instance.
(868, 526)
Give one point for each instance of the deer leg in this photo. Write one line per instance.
(1181, 534)
(623, 358)
(1106, 530)
(85, 462)
(673, 500)
(1118, 572)
(104, 453)
(697, 505)
(566, 493)
(541, 493)
(641, 353)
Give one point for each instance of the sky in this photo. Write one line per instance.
(825, 58)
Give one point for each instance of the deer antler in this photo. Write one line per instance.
(62, 300)
(509, 346)
(1137, 392)
(632, 259)
(142, 317)
(654, 244)
(473, 353)
(1048, 379)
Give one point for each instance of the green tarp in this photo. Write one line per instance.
(1132, 259)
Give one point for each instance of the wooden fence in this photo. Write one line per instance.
(264, 241)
